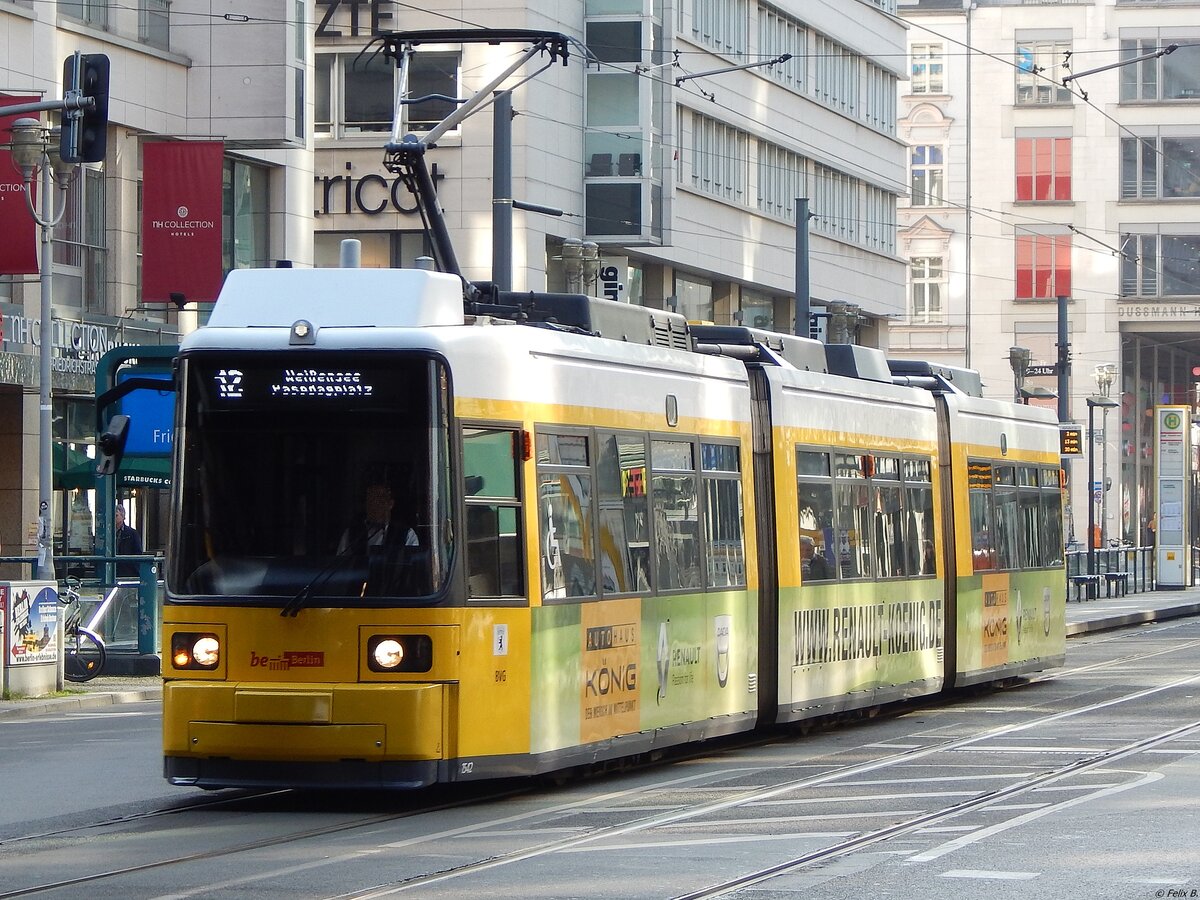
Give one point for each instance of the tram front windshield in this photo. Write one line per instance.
(320, 479)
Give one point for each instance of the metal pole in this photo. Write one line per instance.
(1091, 543)
(1064, 407)
(1104, 478)
(1064, 363)
(44, 570)
(803, 297)
(502, 204)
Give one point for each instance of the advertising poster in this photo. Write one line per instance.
(18, 250)
(181, 220)
(32, 633)
(610, 700)
(995, 619)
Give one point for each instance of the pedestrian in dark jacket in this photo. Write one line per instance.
(128, 543)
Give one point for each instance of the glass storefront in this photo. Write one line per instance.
(1153, 373)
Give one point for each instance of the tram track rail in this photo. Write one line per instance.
(682, 814)
(851, 845)
(916, 823)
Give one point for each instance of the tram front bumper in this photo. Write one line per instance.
(305, 723)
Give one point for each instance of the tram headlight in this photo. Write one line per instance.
(400, 653)
(190, 650)
(388, 653)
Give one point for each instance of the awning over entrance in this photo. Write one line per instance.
(75, 470)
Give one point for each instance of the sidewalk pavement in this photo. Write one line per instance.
(1083, 617)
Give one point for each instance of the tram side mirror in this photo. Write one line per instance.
(111, 445)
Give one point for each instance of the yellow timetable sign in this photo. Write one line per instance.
(1070, 440)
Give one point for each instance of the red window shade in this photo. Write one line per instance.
(1062, 168)
(1043, 269)
(1024, 169)
(1024, 267)
(1043, 167)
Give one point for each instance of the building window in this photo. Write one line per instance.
(835, 203)
(379, 249)
(928, 175)
(1043, 266)
(758, 310)
(879, 108)
(719, 158)
(154, 23)
(782, 177)
(880, 231)
(928, 288)
(845, 206)
(301, 30)
(79, 244)
(1043, 168)
(1175, 76)
(1160, 265)
(613, 208)
(1160, 167)
(693, 299)
(1038, 67)
(836, 75)
(357, 95)
(779, 33)
(245, 212)
(89, 12)
(928, 69)
(722, 25)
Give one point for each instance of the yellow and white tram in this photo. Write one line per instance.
(606, 533)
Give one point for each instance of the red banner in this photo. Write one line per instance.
(181, 221)
(18, 249)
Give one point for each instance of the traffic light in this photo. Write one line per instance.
(85, 134)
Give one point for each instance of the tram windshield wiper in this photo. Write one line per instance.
(298, 602)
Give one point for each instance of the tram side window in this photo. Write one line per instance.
(675, 497)
(624, 514)
(854, 530)
(815, 522)
(1052, 518)
(888, 518)
(983, 544)
(1008, 525)
(922, 556)
(1030, 517)
(724, 521)
(565, 516)
(493, 513)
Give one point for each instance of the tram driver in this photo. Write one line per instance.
(376, 529)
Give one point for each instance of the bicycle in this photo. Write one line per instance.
(85, 655)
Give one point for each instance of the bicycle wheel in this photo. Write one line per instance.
(85, 656)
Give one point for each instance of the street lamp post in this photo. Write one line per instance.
(1018, 358)
(1104, 376)
(35, 148)
(1104, 403)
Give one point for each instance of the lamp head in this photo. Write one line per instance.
(29, 141)
(1104, 376)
